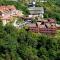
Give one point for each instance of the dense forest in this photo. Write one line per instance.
(19, 44)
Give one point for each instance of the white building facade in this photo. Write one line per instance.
(37, 11)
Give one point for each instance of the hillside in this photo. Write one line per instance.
(52, 7)
(21, 44)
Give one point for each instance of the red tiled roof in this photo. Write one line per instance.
(11, 7)
(51, 20)
(3, 8)
(6, 17)
(42, 28)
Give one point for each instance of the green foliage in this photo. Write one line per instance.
(20, 44)
(34, 20)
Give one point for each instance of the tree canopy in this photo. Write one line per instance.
(19, 44)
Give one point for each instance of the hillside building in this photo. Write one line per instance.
(39, 11)
(8, 12)
(45, 26)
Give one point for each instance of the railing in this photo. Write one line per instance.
(47, 30)
(43, 30)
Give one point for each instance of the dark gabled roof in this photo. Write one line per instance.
(36, 8)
